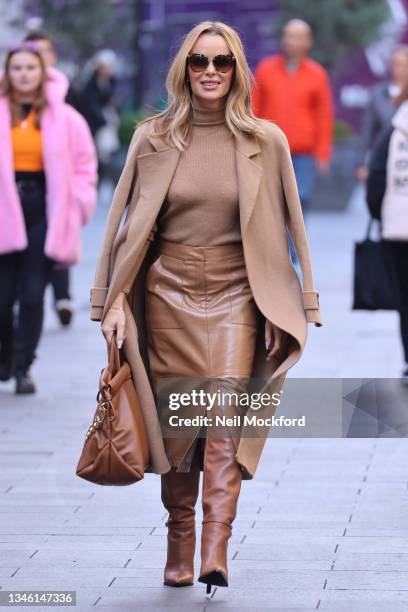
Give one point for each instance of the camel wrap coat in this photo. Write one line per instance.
(268, 205)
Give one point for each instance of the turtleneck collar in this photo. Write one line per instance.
(205, 116)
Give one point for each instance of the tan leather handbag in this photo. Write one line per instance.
(116, 450)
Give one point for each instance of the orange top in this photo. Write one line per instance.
(299, 102)
(27, 145)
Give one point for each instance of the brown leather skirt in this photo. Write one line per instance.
(201, 322)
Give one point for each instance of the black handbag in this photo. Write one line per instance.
(374, 283)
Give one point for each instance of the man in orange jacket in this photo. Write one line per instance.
(294, 91)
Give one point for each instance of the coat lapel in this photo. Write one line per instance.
(156, 171)
(249, 172)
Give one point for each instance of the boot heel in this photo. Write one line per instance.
(221, 487)
(214, 578)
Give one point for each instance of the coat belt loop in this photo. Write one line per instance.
(310, 300)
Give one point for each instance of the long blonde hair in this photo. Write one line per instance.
(175, 119)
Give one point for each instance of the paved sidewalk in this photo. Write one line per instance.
(323, 525)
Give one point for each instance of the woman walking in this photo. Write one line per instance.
(381, 108)
(48, 192)
(387, 199)
(199, 285)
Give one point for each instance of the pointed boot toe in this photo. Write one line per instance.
(179, 569)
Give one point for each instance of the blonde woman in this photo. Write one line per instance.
(197, 284)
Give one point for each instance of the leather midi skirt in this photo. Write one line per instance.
(201, 322)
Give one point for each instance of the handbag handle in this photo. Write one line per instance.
(114, 362)
(369, 226)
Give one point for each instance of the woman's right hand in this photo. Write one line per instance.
(115, 320)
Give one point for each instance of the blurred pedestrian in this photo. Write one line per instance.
(59, 277)
(101, 107)
(387, 198)
(380, 109)
(293, 90)
(46, 44)
(48, 189)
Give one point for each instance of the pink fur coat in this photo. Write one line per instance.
(70, 167)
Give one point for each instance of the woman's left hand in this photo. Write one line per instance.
(274, 339)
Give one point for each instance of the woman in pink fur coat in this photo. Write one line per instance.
(48, 179)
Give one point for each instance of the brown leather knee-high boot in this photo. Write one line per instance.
(179, 492)
(221, 488)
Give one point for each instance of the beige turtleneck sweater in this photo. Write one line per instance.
(201, 207)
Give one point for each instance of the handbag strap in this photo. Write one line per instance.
(369, 226)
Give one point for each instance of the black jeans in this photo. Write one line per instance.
(60, 284)
(24, 276)
(397, 260)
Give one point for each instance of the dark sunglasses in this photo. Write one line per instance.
(199, 62)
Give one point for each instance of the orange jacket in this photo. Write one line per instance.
(300, 103)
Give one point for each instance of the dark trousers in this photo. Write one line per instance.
(397, 260)
(60, 284)
(24, 276)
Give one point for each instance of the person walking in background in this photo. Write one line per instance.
(381, 108)
(48, 191)
(101, 106)
(59, 277)
(387, 199)
(46, 44)
(293, 90)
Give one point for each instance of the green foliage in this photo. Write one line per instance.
(341, 131)
(83, 27)
(339, 26)
(128, 123)
(131, 117)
